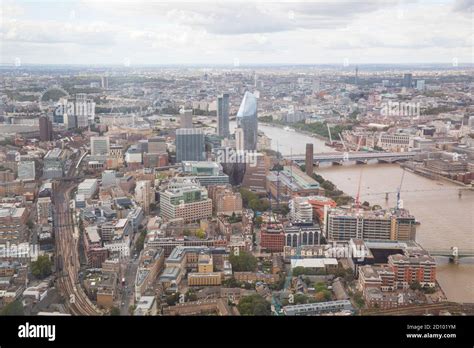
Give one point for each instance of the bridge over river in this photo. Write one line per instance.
(358, 157)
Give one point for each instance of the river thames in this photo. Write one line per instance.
(446, 219)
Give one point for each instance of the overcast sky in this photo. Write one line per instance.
(248, 32)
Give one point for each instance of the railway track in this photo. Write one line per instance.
(67, 265)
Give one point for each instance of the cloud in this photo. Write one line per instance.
(54, 32)
(463, 6)
(247, 17)
(254, 32)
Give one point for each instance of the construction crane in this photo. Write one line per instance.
(329, 131)
(399, 200)
(342, 141)
(358, 144)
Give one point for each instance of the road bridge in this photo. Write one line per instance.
(357, 157)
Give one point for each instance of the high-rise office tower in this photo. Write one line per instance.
(420, 85)
(186, 119)
(100, 146)
(407, 80)
(104, 82)
(247, 120)
(190, 145)
(309, 159)
(70, 121)
(84, 110)
(144, 194)
(239, 139)
(223, 115)
(45, 128)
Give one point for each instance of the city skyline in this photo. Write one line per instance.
(235, 34)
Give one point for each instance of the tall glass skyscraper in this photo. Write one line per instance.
(247, 120)
(407, 80)
(223, 115)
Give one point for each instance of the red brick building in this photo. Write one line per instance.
(272, 238)
(413, 268)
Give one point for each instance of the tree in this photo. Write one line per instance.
(319, 297)
(254, 204)
(13, 308)
(320, 286)
(231, 283)
(41, 268)
(114, 311)
(429, 290)
(339, 272)
(172, 299)
(359, 299)
(252, 201)
(280, 284)
(327, 185)
(186, 232)
(254, 305)
(139, 244)
(326, 294)
(30, 224)
(262, 308)
(297, 271)
(300, 299)
(131, 309)
(191, 296)
(243, 262)
(415, 285)
(200, 233)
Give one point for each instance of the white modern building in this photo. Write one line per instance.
(26, 170)
(301, 209)
(88, 188)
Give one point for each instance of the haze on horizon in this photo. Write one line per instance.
(102, 32)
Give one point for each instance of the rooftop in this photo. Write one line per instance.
(313, 262)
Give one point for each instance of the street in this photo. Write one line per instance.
(127, 291)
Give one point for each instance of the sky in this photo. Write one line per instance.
(137, 32)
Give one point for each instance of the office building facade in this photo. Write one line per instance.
(223, 115)
(100, 146)
(186, 119)
(190, 145)
(190, 203)
(45, 128)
